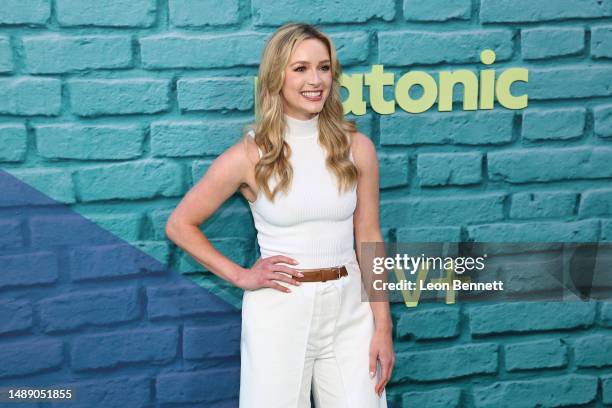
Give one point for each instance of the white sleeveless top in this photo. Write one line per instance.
(313, 223)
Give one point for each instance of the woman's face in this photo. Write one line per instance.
(308, 71)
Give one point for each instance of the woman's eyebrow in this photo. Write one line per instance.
(306, 62)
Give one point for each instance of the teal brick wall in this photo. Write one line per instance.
(116, 108)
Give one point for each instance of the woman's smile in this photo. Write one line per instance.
(312, 95)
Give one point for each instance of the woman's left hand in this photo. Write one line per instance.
(381, 348)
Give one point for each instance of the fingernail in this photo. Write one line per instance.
(295, 262)
(372, 374)
(298, 283)
(300, 274)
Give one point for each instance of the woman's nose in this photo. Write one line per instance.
(314, 78)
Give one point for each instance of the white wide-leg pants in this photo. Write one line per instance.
(316, 336)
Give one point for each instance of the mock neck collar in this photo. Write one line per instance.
(302, 128)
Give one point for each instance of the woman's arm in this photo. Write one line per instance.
(367, 229)
(366, 217)
(224, 176)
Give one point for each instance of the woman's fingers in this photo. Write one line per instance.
(287, 270)
(283, 278)
(372, 358)
(281, 258)
(386, 368)
(277, 286)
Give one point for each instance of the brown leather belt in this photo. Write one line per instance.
(322, 275)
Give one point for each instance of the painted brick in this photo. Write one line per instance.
(550, 164)
(606, 230)
(425, 47)
(535, 355)
(605, 315)
(553, 124)
(437, 10)
(93, 97)
(13, 143)
(593, 351)
(6, 55)
(543, 204)
(190, 387)
(541, 43)
(601, 42)
(439, 398)
(435, 323)
(606, 384)
(215, 93)
(231, 219)
(209, 51)
(103, 262)
(132, 180)
(29, 96)
(198, 13)
(106, 13)
(12, 235)
(596, 202)
(65, 230)
(125, 226)
(238, 250)
(578, 231)
(193, 138)
(351, 47)
(51, 54)
(158, 250)
(442, 169)
(117, 392)
(266, 13)
(393, 169)
(442, 211)
(549, 392)
(524, 317)
(170, 302)
(219, 341)
(54, 183)
(15, 316)
(446, 363)
(25, 12)
(86, 142)
(30, 357)
(578, 81)
(479, 128)
(111, 350)
(506, 11)
(429, 234)
(603, 120)
(84, 309)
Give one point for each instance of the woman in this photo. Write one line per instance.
(311, 181)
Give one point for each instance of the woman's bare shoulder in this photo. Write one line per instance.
(362, 147)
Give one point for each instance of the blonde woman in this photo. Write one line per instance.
(311, 181)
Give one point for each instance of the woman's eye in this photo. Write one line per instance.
(324, 68)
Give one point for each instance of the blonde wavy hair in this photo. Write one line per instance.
(334, 130)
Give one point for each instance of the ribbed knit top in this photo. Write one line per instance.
(312, 223)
